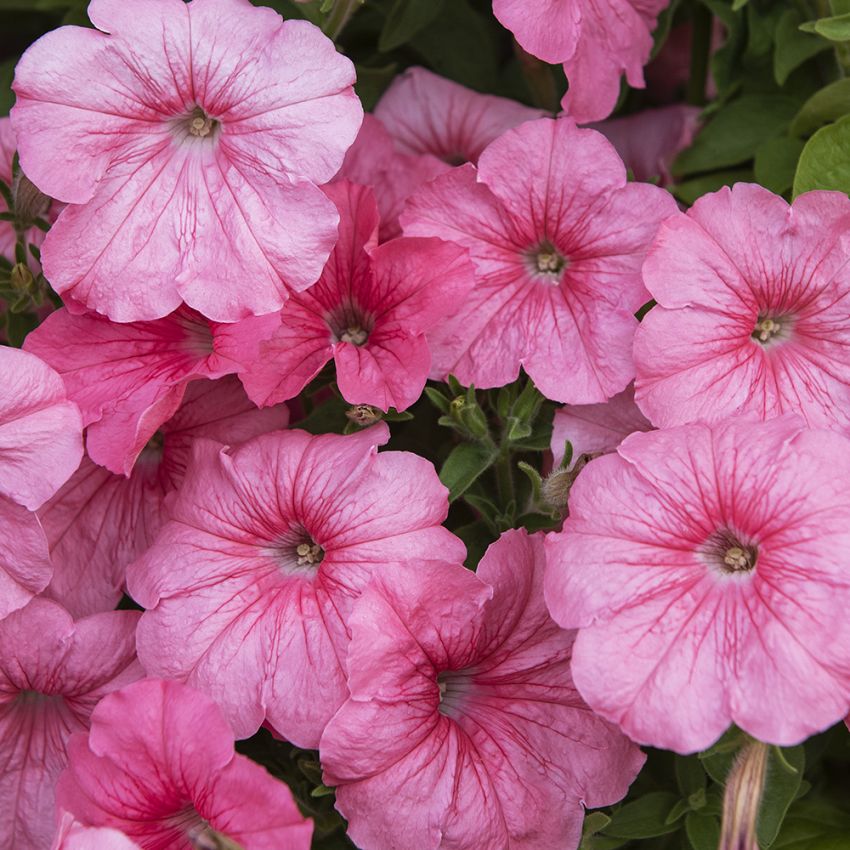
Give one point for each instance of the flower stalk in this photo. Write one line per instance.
(742, 798)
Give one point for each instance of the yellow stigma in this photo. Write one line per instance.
(765, 329)
(201, 124)
(549, 263)
(308, 553)
(737, 558)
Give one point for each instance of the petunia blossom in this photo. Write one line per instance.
(596, 428)
(753, 312)
(426, 114)
(558, 237)
(707, 568)
(99, 522)
(159, 766)
(374, 160)
(249, 584)
(188, 139)
(650, 140)
(596, 41)
(130, 378)
(369, 312)
(53, 671)
(463, 712)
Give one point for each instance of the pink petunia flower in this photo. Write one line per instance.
(374, 160)
(650, 140)
(753, 312)
(595, 41)
(72, 835)
(159, 765)
(707, 570)
(99, 522)
(557, 236)
(53, 671)
(463, 711)
(130, 378)
(182, 139)
(40, 446)
(596, 428)
(249, 585)
(369, 312)
(427, 114)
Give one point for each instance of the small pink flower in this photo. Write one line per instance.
(596, 428)
(369, 312)
(557, 236)
(428, 114)
(99, 522)
(649, 141)
(72, 835)
(130, 378)
(182, 139)
(52, 673)
(159, 765)
(249, 585)
(705, 568)
(753, 312)
(463, 712)
(374, 160)
(596, 41)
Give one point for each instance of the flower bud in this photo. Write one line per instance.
(364, 415)
(742, 798)
(21, 279)
(30, 202)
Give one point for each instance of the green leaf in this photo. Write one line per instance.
(405, 20)
(825, 160)
(690, 775)
(793, 47)
(780, 789)
(466, 463)
(736, 131)
(703, 831)
(463, 45)
(823, 107)
(776, 163)
(813, 825)
(836, 28)
(372, 82)
(645, 817)
(476, 537)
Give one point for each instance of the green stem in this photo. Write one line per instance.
(339, 17)
(504, 478)
(700, 55)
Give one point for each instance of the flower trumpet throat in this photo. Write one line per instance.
(742, 798)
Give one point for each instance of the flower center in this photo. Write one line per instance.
(296, 553)
(308, 553)
(204, 837)
(355, 335)
(770, 329)
(453, 686)
(200, 124)
(349, 322)
(547, 262)
(725, 553)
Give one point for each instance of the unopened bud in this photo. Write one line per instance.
(742, 798)
(557, 485)
(364, 415)
(30, 202)
(21, 279)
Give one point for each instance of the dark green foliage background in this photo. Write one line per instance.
(781, 117)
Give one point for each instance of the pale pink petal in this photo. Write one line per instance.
(25, 567)
(40, 430)
(596, 428)
(428, 114)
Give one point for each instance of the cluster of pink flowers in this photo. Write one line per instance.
(227, 224)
